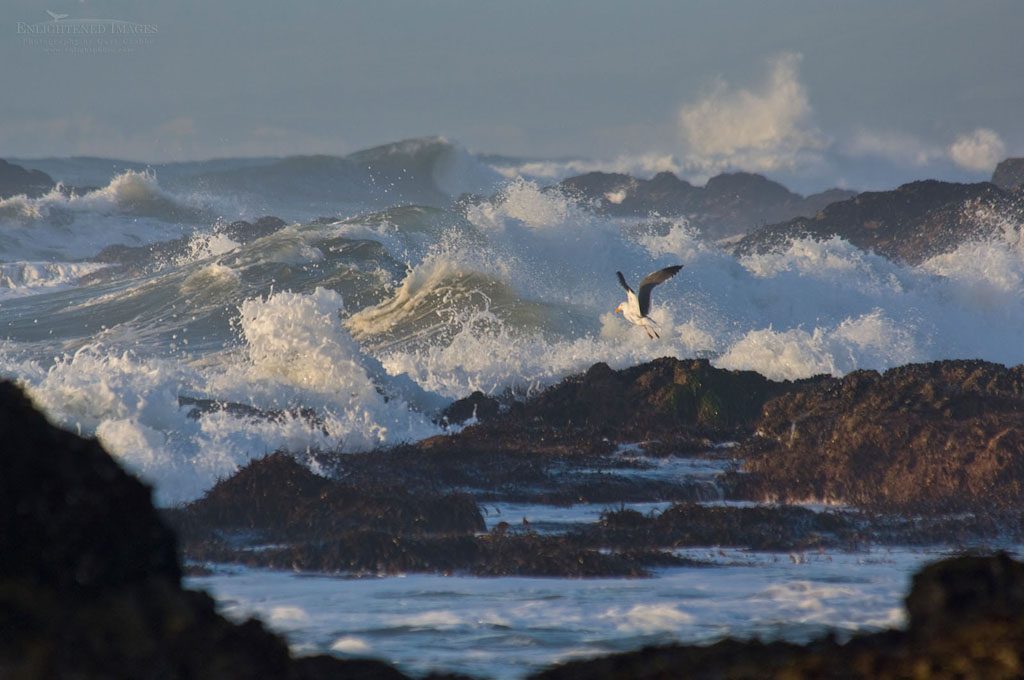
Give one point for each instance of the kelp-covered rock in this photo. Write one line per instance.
(660, 397)
(975, 600)
(759, 528)
(280, 497)
(499, 553)
(945, 435)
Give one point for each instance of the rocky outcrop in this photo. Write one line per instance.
(1009, 174)
(909, 224)
(281, 498)
(759, 528)
(729, 204)
(965, 621)
(318, 524)
(15, 180)
(942, 436)
(89, 578)
(661, 398)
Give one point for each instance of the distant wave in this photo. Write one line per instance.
(132, 193)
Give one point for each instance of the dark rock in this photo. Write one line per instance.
(280, 497)
(477, 405)
(946, 435)
(1009, 174)
(15, 180)
(729, 204)
(989, 643)
(909, 224)
(500, 553)
(340, 527)
(89, 578)
(759, 528)
(948, 593)
(658, 398)
(70, 517)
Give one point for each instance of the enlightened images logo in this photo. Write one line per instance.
(61, 35)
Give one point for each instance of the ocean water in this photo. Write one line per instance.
(385, 297)
(508, 627)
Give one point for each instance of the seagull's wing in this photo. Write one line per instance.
(622, 282)
(652, 280)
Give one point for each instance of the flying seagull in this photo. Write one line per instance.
(637, 306)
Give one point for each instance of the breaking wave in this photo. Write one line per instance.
(352, 332)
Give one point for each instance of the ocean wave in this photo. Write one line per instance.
(509, 293)
(19, 279)
(293, 356)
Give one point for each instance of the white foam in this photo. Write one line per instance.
(19, 279)
(131, 209)
(349, 644)
(648, 618)
(295, 354)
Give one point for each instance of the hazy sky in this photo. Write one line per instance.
(792, 88)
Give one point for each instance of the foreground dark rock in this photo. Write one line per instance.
(965, 621)
(15, 180)
(729, 204)
(942, 436)
(72, 519)
(909, 224)
(89, 579)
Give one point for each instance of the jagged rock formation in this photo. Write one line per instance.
(660, 398)
(729, 204)
(909, 224)
(944, 435)
(1009, 174)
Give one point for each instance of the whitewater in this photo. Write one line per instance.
(133, 311)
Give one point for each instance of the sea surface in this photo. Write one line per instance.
(413, 274)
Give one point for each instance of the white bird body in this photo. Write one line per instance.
(637, 307)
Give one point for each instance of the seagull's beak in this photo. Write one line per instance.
(618, 310)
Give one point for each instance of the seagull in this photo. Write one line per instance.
(636, 307)
(55, 16)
